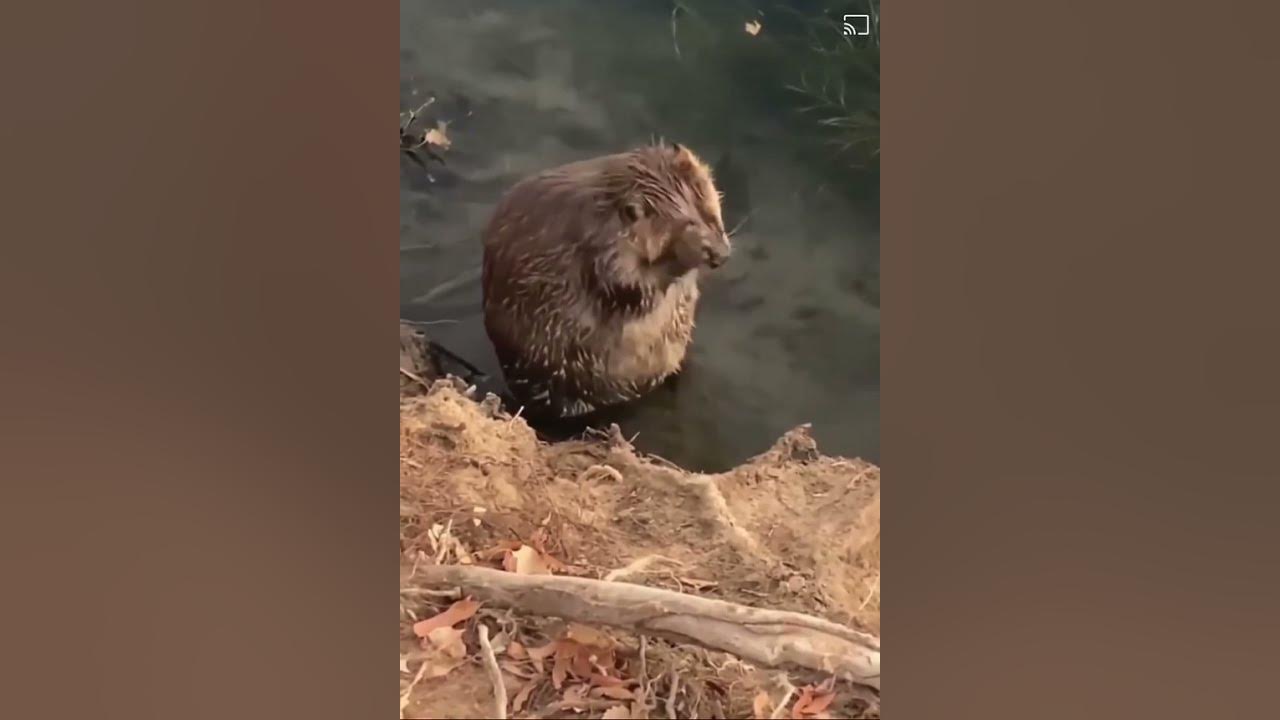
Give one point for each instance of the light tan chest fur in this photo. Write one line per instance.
(654, 346)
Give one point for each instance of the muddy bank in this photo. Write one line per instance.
(791, 529)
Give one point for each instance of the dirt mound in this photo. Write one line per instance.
(789, 530)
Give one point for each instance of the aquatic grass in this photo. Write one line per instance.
(826, 77)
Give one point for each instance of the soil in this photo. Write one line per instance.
(791, 529)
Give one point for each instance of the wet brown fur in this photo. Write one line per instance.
(591, 276)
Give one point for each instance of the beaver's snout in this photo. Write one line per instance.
(716, 251)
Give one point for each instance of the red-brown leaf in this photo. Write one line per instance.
(560, 670)
(614, 692)
(761, 705)
(820, 703)
(522, 697)
(802, 703)
(460, 611)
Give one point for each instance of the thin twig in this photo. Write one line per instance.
(782, 706)
(415, 377)
(495, 674)
(671, 698)
(874, 587)
(644, 668)
(404, 698)
(454, 594)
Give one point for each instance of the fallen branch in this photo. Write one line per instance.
(772, 638)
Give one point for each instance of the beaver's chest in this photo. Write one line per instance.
(653, 346)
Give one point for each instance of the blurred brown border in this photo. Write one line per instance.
(1081, 335)
(1079, 350)
(201, 268)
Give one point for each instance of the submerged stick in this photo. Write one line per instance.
(772, 638)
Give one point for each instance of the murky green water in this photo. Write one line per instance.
(788, 332)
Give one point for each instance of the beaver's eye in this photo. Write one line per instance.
(631, 212)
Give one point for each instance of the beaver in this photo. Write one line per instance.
(590, 276)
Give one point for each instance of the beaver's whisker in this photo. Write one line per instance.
(741, 222)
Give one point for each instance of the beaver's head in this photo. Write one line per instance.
(670, 212)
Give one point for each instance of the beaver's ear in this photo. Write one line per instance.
(687, 162)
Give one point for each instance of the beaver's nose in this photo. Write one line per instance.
(715, 257)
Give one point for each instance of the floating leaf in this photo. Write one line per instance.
(753, 27)
(439, 135)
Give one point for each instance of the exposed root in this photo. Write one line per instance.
(772, 638)
(702, 487)
(637, 567)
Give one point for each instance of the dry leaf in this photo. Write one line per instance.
(439, 134)
(587, 635)
(541, 653)
(599, 679)
(539, 539)
(697, 584)
(582, 662)
(518, 670)
(529, 562)
(613, 692)
(802, 702)
(753, 27)
(522, 697)
(617, 712)
(457, 612)
(575, 697)
(516, 650)
(813, 701)
(552, 564)
(441, 666)
(560, 670)
(448, 641)
(404, 664)
(498, 551)
(537, 655)
(761, 706)
(820, 703)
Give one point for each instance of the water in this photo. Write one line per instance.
(788, 331)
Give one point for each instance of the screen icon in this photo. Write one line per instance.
(857, 24)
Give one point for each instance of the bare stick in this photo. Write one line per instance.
(782, 705)
(771, 638)
(404, 698)
(495, 674)
(874, 587)
(671, 697)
